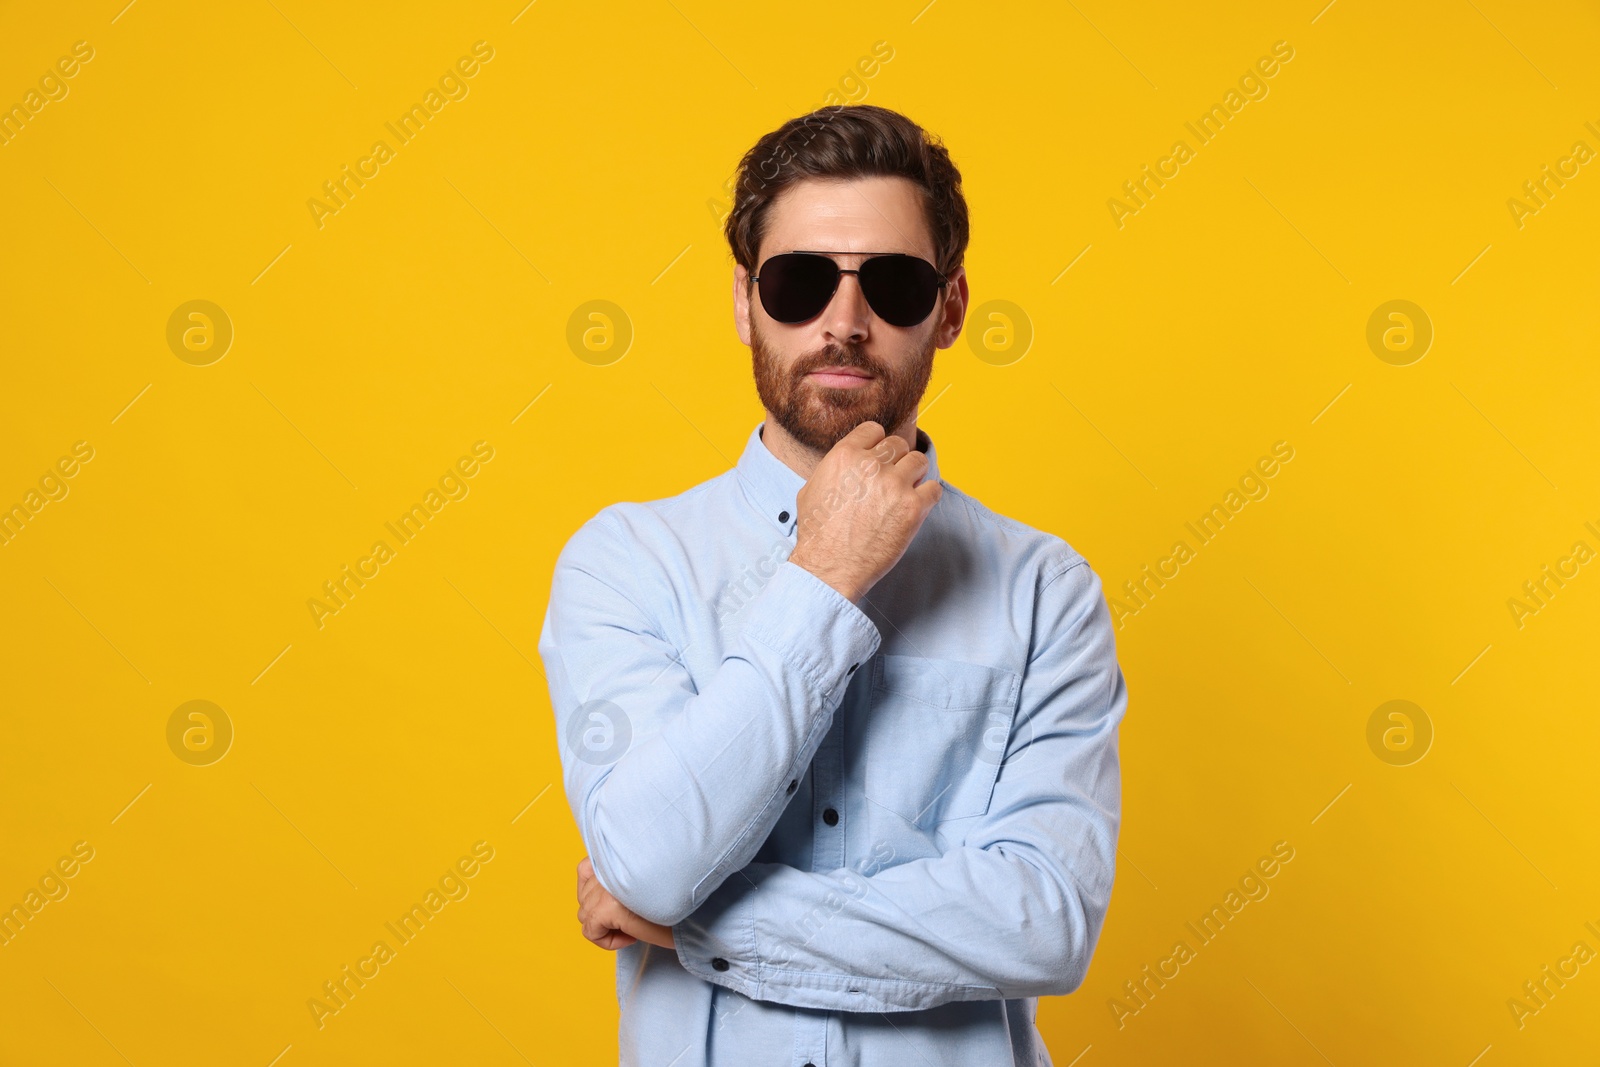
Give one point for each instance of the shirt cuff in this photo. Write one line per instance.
(813, 626)
(711, 957)
(727, 942)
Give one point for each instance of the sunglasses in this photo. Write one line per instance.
(900, 289)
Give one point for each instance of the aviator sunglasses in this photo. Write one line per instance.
(900, 289)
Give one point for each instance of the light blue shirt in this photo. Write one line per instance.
(879, 833)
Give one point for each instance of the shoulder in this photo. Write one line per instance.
(624, 534)
(1044, 556)
(1058, 600)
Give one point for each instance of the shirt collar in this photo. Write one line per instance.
(773, 487)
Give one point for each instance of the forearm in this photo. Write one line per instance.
(693, 801)
(972, 924)
(705, 774)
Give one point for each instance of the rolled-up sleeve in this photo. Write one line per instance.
(675, 787)
(1014, 911)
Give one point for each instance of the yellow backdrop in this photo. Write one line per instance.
(1314, 392)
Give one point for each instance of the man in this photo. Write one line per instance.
(841, 742)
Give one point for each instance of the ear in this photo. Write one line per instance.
(741, 303)
(953, 311)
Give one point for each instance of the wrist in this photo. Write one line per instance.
(843, 586)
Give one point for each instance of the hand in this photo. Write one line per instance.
(607, 922)
(861, 508)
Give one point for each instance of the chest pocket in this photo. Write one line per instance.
(936, 734)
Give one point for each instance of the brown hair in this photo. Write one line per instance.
(841, 143)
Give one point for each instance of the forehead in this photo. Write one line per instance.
(878, 214)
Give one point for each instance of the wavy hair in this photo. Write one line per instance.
(841, 143)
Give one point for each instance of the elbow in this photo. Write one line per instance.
(1055, 968)
(663, 905)
(1077, 915)
(647, 884)
(1071, 968)
(1051, 969)
(1077, 944)
(1055, 955)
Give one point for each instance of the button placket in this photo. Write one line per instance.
(827, 782)
(810, 1037)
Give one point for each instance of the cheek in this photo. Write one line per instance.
(779, 364)
(917, 363)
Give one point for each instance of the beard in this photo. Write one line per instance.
(817, 415)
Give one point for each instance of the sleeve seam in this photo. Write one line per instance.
(1063, 572)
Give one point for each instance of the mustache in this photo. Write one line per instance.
(839, 356)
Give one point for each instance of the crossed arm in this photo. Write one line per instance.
(1014, 911)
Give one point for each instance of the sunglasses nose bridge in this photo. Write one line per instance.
(859, 309)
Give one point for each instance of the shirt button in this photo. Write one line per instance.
(830, 817)
(783, 516)
(719, 963)
(794, 783)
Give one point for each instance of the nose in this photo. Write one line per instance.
(847, 314)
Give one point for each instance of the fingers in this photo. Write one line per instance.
(598, 908)
(911, 460)
(910, 467)
(891, 449)
(884, 456)
(597, 931)
(600, 916)
(594, 917)
(616, 939)
(865, 435)
(593, 895)
(592, 902)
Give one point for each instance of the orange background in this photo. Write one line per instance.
(1127, 379)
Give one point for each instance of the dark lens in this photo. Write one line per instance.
(900, 289)
(796, 286)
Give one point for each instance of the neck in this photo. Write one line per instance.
(802, 459)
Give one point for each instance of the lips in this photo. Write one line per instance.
(841, 377)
